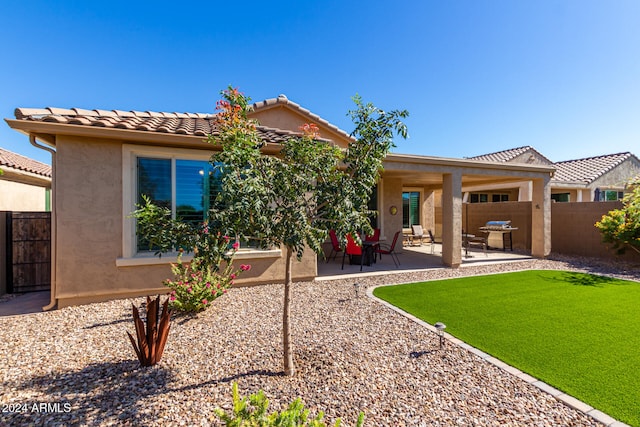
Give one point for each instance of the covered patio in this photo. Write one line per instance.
(412, 258)
(441, 183)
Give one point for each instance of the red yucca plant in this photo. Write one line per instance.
(150, 344)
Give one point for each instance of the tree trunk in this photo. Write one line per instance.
(289, 369)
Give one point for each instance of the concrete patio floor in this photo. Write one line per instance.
(412, 258)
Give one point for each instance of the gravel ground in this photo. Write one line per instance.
(351, 354)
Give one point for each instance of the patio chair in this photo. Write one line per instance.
(432, 240)
(374, 237)
(384, 249)
(352, 249)
(417, 233)
(470, 240)
(335, 245)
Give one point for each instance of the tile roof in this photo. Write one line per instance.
(506, 155)
(589, 169)
(190, 124)
(13, 160)
(283, 100)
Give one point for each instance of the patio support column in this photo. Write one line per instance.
(541, 218)
(452, 219)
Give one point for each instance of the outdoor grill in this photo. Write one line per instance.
(499, 234)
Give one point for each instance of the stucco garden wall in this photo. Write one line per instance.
(89, 227)
(573, 231)
(519, 213)
(17, 196)
(572, 226)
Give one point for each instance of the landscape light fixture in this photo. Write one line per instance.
(440, 327)
(356, 286)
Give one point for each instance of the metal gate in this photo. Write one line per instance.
(28, 251)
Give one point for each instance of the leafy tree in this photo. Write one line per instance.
(622, 226)
(292, 199)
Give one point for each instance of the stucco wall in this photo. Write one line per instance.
(89, 226)
(619, 176)
(16, 196)
(519, 213)
(391, 197)
(281, 117)
(573, 231)
(572, 226)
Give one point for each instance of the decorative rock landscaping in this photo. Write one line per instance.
(352, 354)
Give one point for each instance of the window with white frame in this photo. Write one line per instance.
(609, 195)
(181, 180)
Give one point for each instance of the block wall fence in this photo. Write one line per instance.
(572, 226)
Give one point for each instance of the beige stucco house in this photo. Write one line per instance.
(101, 159)
(598, 178)
(25, 184)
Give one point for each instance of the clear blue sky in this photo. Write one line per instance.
(476, 76)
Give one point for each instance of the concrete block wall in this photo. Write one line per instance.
(573, 231)
(519, 213)
(572, 226)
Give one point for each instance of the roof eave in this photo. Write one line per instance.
(445, 161)
(48, 129)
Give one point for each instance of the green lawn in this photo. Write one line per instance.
(579, 333)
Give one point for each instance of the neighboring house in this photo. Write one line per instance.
(25, 184)
(103, 161)
(599, 178)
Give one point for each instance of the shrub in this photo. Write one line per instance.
(252, 412)
(197, 285)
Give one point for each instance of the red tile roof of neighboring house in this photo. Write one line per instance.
(583, 171)
(589, 169)
(191, 124)
(13, 160)
(507, 155)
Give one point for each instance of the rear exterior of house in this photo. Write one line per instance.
(104, 160)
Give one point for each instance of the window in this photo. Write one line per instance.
(410, 208)
(608, 195)
(484, 198)
(182, 180)
(560, 197)
(186, 187)
(478, 198)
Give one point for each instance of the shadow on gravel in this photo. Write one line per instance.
(418, 354)
(124, 319)
(102, 393)
(229, 379)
